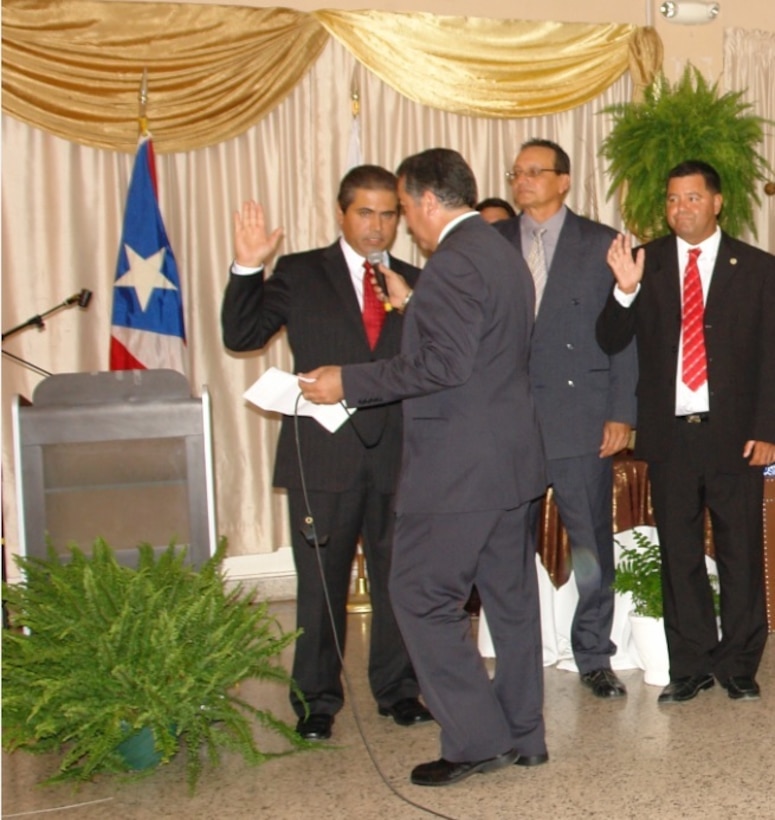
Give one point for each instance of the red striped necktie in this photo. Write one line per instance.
(373, 309)
(694, 370)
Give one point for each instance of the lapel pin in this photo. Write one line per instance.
(733, 261)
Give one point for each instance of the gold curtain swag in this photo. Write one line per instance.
(484, 67)
(73, 68)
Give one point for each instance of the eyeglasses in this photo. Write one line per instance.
(530, 173)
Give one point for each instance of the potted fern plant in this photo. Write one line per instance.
(673, 123)
(100, 657)
(638, 575)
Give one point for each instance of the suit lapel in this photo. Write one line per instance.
(338, 274)
(666, 271)
(561, 275)
(723, 275)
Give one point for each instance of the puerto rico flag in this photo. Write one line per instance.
(147, 326)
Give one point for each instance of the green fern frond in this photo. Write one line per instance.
(98, 650)
(689, 120)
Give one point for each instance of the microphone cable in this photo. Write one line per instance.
(31, 365)
(309, 522)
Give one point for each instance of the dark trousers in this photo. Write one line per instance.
(436, 559)
(344, 517)
(682, 487)
(583, 487)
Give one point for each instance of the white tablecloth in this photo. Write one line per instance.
(558, 606)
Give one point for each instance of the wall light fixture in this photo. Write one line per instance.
(689, 12)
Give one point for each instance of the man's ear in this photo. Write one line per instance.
(430, 202)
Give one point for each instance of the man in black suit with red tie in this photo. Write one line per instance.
(329, 307)
(702, 307)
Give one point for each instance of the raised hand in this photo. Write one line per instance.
(627, 270)
(252, 246)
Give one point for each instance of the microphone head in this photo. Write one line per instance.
(84, 297)
(375, 258)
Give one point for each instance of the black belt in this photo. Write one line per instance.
(695, 418)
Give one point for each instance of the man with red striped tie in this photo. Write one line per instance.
(325, 300)
(702, 307)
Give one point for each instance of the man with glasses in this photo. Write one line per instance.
(585, 398)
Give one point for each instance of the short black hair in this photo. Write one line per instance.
(444, 173)
(561, 159)
(690, 167)
(369, 177)
(496, 202)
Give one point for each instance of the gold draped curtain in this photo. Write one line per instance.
(73, 68)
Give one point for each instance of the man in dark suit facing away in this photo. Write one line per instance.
(319, 297)
(701, 305)
(585, 398)
(472, 462)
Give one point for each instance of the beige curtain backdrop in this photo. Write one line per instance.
(62, 216)
(749, 63)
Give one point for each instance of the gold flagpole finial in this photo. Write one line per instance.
(355, 95)
(142, 119)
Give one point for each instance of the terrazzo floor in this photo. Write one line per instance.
(709, 758)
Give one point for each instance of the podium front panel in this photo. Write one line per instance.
(126, 469)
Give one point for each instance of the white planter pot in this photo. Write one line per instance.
(648, 634)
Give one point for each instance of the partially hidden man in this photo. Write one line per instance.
(327, 302)
(584, 397)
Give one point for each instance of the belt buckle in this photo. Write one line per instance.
(694, 418)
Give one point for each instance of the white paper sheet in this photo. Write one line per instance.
(277, 391)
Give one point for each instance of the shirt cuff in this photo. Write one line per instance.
(625, 299)
(241, 270)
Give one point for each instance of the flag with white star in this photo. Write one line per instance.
(147, 326)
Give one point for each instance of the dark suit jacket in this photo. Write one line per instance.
(576, 386)
(471, 438)
(312, 296)
(740, 345)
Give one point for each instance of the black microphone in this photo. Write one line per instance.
(375, 259)
(81, 299)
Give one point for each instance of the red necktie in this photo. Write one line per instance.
(694, 372)
(373, 309)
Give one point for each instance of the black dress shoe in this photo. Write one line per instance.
(315, 727)
(406, 712)
(685, 688)
(532, 760)
(445, 772)
(740, 687)
(604, 683)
